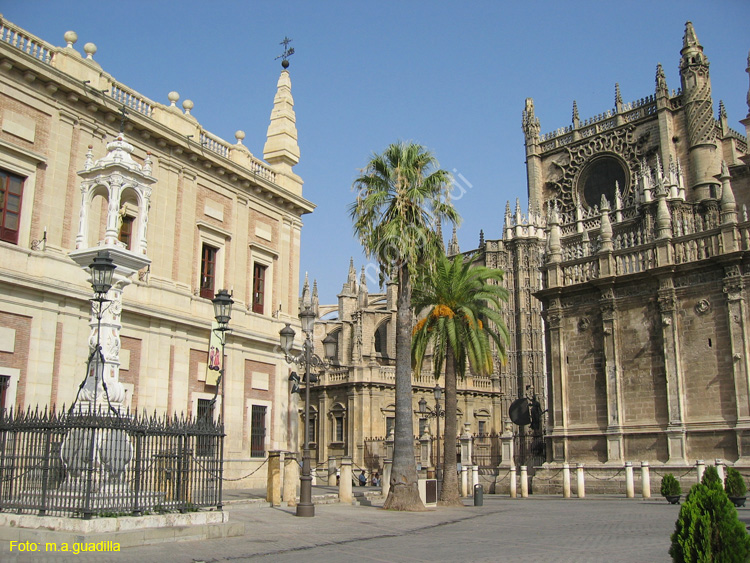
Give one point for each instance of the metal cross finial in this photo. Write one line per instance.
(288, 52)
(124, 113)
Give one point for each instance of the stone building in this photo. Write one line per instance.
(88, 163)
(353, 403)
(644, 276)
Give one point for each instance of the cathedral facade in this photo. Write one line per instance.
(644, 276)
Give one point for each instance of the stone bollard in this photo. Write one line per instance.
(273, 484)
(581, 487)
(313, 475)
(345, 481)
(566, 480)
(385, 482)
(524, 482)
(331, 471)
(291, 479)
(474, 476)
(700, 466)
(645, 480)
(513, 483)
(464, 481)
(720, 470)
(629, 484)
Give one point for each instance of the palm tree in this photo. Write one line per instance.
(401, 194)
(460, 299)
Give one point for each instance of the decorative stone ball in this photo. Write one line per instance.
(173, 97)
(89, 49)
(70, 37)
(187, 105)
(285, 63)
(239, 135)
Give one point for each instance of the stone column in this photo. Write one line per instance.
(558, 392)
(615, 445)
(331, 471)
(566, 480)
(645, 480)
(513, 482)
(700, 467)
(273, 484)
(345, 481)
(464, 480)
(291, 479)
(720, 470)
(474, 476)
(465, 440)
(580, 485)
(629, 484)
(738, 340)
(385, 482)
(506, 446)
(524, 482)
(676, 435)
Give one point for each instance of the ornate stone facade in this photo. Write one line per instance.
(644, 275)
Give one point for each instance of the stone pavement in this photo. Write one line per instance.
(540, 528)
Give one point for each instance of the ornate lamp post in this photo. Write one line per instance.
(102, 270)
(436, 413)
(223, 313)
(309, 360)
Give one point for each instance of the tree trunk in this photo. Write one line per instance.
(403, 494)
(450, 495)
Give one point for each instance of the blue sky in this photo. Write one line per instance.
(450, 75)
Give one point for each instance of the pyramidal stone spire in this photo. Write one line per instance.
(453, 248)
(305, 300)
(618, 97)
(281, 149)
(576, 117)
(530, 122)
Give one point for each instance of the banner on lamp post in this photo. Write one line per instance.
(213, 367)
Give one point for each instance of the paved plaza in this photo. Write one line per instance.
(546, 528)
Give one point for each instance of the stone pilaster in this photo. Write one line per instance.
(676, 438)
(615, 443)
(558, 400)
(738, 340)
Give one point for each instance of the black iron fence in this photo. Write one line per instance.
(85, 464)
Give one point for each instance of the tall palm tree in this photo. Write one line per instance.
(401, 194)
(463, 318)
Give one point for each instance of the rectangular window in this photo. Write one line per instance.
(125, 235)
(259, 283)
(11, 191)
(482, 428)
(204, 445)
(208, 271)
(390, 425)
(4, 383)
(339, 429)
(422, 426)
(258, 431)
(311, 430)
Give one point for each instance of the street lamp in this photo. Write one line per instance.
(222, 313)
(309, 360)
(435, 413)
(102, 270)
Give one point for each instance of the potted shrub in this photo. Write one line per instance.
(735, 487)
(670, 488)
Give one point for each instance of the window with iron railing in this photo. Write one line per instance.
(258, 431)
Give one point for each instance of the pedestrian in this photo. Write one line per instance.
(362, 479)
(375, 479)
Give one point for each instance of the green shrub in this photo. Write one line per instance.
(711, 476)
(708, 528)
(734, 483)
(670, 487)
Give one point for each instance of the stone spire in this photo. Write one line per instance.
(534, 173)
(553, 243)
(350, 287)
(481, 238)
(696, 89)
(728, 203)
(453, 248)
(618, 98)
(315, 302)
(281, 150)
(305, 300)
(606, 226)
(362, 295)
(439, 232)
(576, 117)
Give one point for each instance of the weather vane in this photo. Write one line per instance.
(288, 52)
